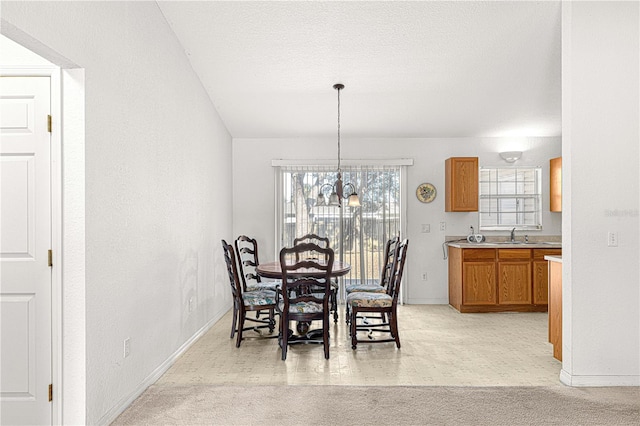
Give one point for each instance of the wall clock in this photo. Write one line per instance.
(426, 192)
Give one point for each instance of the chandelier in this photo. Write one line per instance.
(338, 189)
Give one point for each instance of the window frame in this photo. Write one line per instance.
(517, 195)
(348, 165)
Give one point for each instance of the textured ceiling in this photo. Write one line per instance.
(411, 69)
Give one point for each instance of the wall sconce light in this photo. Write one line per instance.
(511, 156)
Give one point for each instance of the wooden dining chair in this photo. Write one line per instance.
(247, 301)
(384, 303)
(390, 252)
(322, 242)
(300, 298)
(247, 254)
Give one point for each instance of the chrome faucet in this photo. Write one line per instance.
(513, 235)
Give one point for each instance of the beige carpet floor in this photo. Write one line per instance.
(375, 405)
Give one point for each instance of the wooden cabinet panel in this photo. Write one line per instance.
(473, 254)
(478, 283)
(461, 184)
(555, 184)
(455, 277)
(541, 274)
(540, 282)
(499, 280)
(514, 283)
(555, 308)
(514, 254)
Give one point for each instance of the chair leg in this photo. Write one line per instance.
(284, 326)
(233, 321)
(325, 335)
(272, 321)
(354, 336)
(243, 316)
(334, 304)
(393, 322)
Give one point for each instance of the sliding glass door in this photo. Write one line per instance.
(357, 234)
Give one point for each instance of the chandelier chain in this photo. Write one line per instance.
(339, 171)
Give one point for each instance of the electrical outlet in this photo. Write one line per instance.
(426, 228)
(127, 347)
(443, 226)
(190, 304)
(612, 239)
(424, 276)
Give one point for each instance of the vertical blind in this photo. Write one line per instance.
(357, 234)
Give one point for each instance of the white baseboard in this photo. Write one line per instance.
(598, 381)
(413, 301)
(124, 403)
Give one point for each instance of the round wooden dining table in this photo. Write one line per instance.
(273, 270)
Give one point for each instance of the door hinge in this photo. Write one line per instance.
(50, 393)
(49, 123)
(50, 258)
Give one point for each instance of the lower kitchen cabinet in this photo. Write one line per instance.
(498, 280)
(514, 272)
(541, 275)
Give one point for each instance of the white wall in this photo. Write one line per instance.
(158, 167)
(253, 188)
(601, 115)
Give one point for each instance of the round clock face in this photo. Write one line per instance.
(426, 192)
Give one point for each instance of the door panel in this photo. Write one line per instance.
(25, 228)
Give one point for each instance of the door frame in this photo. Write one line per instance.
(56, 225)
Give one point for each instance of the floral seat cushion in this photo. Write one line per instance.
(369, 288)
(369, 300)
(259, 297)
(264, 285)
(303, 307)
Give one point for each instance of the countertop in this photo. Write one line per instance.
(553, 258)
(551, 242)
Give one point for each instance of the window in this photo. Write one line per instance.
(358, 235)
(510, 198)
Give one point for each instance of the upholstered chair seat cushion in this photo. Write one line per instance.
(369, 300)
(302, 307)
(259, 297)
(369, 288)
(264, 285)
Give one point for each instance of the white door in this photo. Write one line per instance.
(25, 228)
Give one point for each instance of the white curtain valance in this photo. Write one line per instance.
(334, 162)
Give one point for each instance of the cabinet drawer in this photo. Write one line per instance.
(481, 254)
(514, 254)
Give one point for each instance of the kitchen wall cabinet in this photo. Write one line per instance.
(461, 184)
(555, 184)
(498, 280)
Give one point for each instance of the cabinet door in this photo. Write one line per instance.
(541, 275)
(461, 184)
(479, 283)
(540, 282)
(514, 285)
